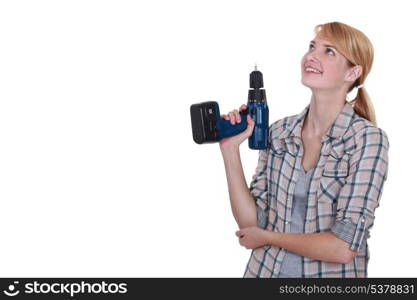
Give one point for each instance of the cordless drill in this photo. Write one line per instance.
(209, 127)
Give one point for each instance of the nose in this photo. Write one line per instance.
(311, 56)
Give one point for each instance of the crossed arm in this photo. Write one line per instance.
(321, 246)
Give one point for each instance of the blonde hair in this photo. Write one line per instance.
(358, 50)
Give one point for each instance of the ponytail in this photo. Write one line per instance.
(362, 106)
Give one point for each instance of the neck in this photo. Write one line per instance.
(325, 106)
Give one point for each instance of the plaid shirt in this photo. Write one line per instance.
(344, 190)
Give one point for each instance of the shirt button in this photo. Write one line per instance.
(287, 222)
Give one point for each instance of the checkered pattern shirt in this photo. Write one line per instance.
(344, 190)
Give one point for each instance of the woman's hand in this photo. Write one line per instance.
(253, 237)
(233, 142)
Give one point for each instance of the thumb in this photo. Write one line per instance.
(250, 120)
(251, 124)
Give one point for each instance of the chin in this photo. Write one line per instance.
(311, 85)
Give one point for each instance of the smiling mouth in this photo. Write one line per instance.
(312, 70)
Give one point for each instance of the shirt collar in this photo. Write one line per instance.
(338, 128)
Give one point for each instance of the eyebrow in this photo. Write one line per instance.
(314, 42)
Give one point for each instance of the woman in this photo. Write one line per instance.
(310, 206)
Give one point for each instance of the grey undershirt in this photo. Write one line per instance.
(291, 265)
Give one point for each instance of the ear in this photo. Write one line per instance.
(353, 73)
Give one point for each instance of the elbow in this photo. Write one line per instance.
(341, 248)
(249, 218)
(243, 225)
(247, 222)
(346, 255)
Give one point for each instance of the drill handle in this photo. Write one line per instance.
(228, 129)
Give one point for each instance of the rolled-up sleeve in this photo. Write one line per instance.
(259, 189)
(360, 195)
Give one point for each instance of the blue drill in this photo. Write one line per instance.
(209, 127)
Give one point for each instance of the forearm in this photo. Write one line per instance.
(241, 200)
(323, 246)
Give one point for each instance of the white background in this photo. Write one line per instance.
(99, 175)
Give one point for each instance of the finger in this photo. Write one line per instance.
(248, 129)
(232, 117)
(251, 122)
(237, 115)
(242, 107)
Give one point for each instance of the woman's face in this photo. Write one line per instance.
(330, 68)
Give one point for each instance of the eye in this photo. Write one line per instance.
(330, 50)
(309, 47)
